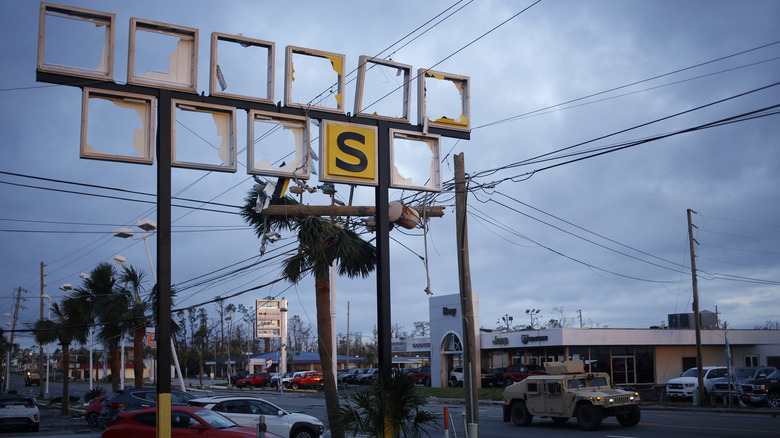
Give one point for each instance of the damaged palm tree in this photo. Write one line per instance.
(321, 244)
(388, 409)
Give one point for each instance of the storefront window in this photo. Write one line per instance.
(644, 365)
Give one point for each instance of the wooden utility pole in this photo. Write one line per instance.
(470, 358)
(696, 316)
(40, 347)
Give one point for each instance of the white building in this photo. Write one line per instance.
(631, 356)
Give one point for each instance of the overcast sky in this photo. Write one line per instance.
(606, 235)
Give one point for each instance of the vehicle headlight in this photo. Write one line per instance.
(612, 400)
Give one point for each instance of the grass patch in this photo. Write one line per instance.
(483, 394)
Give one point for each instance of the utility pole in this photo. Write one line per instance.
(696, 316)
(470, 358)
(40, 351)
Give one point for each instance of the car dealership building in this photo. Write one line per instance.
(630, 356)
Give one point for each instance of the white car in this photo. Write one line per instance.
(688, 383)
(19, 411)
(246, 411)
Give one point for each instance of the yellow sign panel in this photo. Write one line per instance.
(349, 153)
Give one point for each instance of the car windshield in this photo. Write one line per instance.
(690, 373)
(743, 372)
(216, 420)
(775, 375)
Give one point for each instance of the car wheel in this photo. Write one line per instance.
(453, 382)
(774, 399)
(508, 381)
(92, 419)
(630, 419)
(35, 427)
(589, 417)
(520, 415)
(295, 385)
(303, 433)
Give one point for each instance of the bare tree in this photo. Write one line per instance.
(768, 325)
(421, 328)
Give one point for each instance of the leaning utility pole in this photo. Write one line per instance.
(697, 318)
(40, 351)
(470, 358)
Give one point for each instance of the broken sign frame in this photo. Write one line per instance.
(214, 76)
(337, 61)
(186, 80)
(228, 155)
(143, 141)
(105, 69)
(301, 163)
(361, 83)
(434, 143)
(459, 122)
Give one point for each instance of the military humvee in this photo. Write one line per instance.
(568, 391)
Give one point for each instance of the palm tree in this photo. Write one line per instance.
(6, 347)
(64, 329)
(321, 244)
(388, 409)
(96, 298)
(136, 318)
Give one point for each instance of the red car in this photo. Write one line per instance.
(186, 421)
(93, 410)
(422, 375)
(516, 373)
(307, 380)
(256, 380)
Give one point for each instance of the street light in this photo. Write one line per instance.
(150, 226)
(532, 313)
(67, 287)
(48, 349)
(229, 320)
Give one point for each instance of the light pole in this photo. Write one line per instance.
(507, 320)
(532, 313)
(48, 349)
(229, 320)
(120, 260)
(150, 227)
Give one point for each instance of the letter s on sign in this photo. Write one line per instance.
(341, 142)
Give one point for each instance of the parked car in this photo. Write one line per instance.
(351, 375)
(422, 376)
(771, 386)
(254, 380)
(488, 379)
(688, 383)
(131, 399)
(19, 411)
(238, 376)
(92, 413)
(369, 376)
(517, 373)
(186, 421)
(309, 379)
(246, 411)
(745, 376)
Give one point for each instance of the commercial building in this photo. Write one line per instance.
(630, 356)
